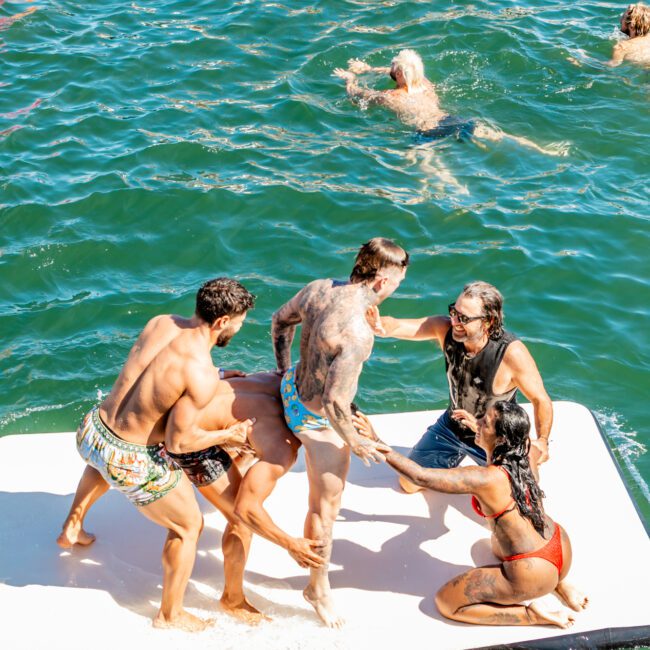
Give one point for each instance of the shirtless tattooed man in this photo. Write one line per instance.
(335, 341)
(166, 383)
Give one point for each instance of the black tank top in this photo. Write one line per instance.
(471, 379)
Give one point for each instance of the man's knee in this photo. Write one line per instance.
(190, 528)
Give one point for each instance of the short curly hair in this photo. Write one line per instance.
(222, 297)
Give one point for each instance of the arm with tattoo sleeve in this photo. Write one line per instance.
(283, 329)
(340, 389)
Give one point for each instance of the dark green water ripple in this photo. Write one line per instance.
(147, 147)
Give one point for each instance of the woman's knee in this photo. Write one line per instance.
(443, 601)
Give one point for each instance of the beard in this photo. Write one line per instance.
(224, 338)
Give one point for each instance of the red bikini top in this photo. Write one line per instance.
(477, 506)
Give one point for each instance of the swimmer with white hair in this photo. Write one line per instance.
(635, 23)
(416, 102)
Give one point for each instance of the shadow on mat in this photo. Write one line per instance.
(125, 561)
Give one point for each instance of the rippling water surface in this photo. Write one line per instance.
(147, 147)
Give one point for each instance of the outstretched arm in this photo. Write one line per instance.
(283, 329)
(249, 507)
(459, 480)
(360, 67)
(409, 329)
(355, 91)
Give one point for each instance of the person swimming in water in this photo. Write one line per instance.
(416, 103)
(635, 23)
(534, 552)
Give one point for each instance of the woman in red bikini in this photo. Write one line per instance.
(535, 552)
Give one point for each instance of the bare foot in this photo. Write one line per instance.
(571, 596)
(74, 534)
(183, 621)
(542, 617)
(243, 611)
(324, 608)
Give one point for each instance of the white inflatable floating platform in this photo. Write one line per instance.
(392, 552)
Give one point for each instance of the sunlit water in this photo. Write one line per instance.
(147, 147)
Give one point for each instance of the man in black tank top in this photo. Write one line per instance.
(484, 364)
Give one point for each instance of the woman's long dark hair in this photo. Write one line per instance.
(512, 427)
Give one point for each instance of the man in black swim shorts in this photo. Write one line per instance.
(415, 102)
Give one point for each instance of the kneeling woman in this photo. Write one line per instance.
(535, 552)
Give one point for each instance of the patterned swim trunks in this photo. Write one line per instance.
(205, 466)
(298, 418)
(144, 473)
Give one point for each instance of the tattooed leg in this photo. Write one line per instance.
(485, 596)
(328, 461)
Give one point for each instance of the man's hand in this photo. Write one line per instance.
(343, 74)
(374, 320)
(369, 450)
(237, 439)
(357, 66)
(541, 445)
(465, 418)
(229, 374)
(302, 550)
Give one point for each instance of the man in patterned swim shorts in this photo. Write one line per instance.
(159, 397)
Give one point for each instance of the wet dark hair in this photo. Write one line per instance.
(377, 254)
(512, 428)
(492, 302)
(222, 297)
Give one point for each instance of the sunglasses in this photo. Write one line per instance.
(461, 318)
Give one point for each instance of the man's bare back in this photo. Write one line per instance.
(335, 341)
(333, 324)
(154, 377)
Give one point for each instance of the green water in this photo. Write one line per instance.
(147, 147)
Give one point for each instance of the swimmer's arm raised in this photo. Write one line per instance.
(283, 329)
(357, 92)
(357, 66)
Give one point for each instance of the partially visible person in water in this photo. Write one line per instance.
(534, 552)
(635, 23)
(416, 103)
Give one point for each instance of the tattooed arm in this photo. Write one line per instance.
(283, 329)
(339, 391)
(460, 480)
